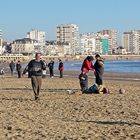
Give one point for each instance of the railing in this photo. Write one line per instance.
(13, 57)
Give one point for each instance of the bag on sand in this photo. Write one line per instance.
(106, 90)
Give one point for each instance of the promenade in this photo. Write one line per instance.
(68, 58)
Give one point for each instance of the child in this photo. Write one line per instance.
(83, 81)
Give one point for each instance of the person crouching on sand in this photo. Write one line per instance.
(83, 80)
(36, 67)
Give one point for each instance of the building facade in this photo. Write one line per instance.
(40, 37)
(105, 46)
(131, 41)
(87, 43)
(24, 46)
(112, 38)
(69, 33)
(127, 41)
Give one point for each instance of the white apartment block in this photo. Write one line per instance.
(88, 44)
(136, 42)
(40, 37)
(23, 46)
(131, 41)
(69, 33)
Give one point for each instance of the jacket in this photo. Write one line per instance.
(87, 65)
(35, 67)
(61, 66)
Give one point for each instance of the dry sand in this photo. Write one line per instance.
(62, 116)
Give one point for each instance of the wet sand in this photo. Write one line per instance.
(62, 116)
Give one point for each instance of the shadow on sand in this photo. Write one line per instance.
(111, 122)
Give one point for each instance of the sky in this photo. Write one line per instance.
(17, 17)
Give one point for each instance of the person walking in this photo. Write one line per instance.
(12, 67)
(51, 67)
(36, 66)
(18, 68)
(61, 68)
(99, 69)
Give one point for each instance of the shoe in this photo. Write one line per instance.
(36, 98)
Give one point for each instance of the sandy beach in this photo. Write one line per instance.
(62, 116)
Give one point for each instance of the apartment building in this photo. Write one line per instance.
(40, 37)
(112, 38)
(131, 41)
(69, 33)
(127, 41)
(87, 43)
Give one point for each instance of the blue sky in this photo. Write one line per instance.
(17, 17)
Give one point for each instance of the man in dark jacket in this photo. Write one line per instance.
(18, 68)
(99, 69)
(61, 68)
(36, 66)
(12, 67)
(51, 67)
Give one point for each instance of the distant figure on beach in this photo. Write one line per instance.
(87, 65)
(12, 67)
(83, 79)
(51, 68)
(18, 68)
(99, 69)
(36, 66)
(2, 72)
(61, 68)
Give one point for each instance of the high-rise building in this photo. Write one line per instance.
(131, 41)
(112, 38)
(104, 45)
(127, 41)
(87, 43)
(40, 37)
(69, 33)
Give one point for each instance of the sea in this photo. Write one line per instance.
(120, 66)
